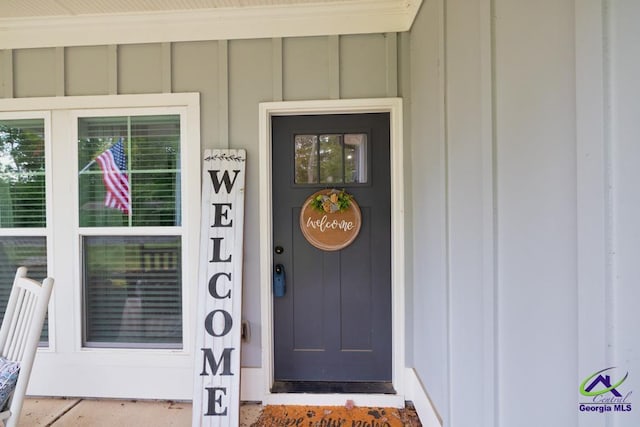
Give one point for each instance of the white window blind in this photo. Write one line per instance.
(133, 291)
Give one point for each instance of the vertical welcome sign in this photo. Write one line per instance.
(216, 398)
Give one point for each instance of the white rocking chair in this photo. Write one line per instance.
(20, 334)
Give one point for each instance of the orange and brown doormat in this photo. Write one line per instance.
(336, 416)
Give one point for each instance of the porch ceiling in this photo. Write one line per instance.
(46, 23)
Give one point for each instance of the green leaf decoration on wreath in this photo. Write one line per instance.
(334, 201)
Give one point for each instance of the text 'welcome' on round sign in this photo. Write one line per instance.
(330, 219)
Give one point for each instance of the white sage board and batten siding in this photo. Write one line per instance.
(561, 192)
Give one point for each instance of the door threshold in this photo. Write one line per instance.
(323, 387)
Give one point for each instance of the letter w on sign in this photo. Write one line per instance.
(216, 395)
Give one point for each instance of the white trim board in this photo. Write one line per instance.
(290, 20)
(416, 393)
(190, 100)
(251, 384)
(343, 106)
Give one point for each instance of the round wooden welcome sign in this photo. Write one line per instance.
(330, 219)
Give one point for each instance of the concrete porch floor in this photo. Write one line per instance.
(74, 412)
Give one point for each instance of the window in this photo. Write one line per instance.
(133, 291)
(123, 307)
(130, 178)
(22, 203)
(331, 159)
(148, 150)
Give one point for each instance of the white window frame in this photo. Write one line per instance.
(45, 232)
(67, 368)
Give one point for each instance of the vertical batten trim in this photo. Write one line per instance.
(166, 68)
(606, 59)
(60, 70)
(391, 51)
(7, 73)
(489, 212)
(112, 72)
(593, 202)
(277, 68)
(223, 94)
(334, 66)
(443, 81)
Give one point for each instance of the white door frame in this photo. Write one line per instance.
(342, 106)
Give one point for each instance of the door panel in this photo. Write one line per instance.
(334, 322)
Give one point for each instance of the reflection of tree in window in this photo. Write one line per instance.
(355, 158)
(22, 176)
(331, 158)
(22, 203)
(306, 159)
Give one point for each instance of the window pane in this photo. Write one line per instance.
(331, 168)
(156, 195)
(22, 173)
(157, 142)
(30, 252)
(355, 158)
(133, 291)
(306, 154)
(144, 189)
